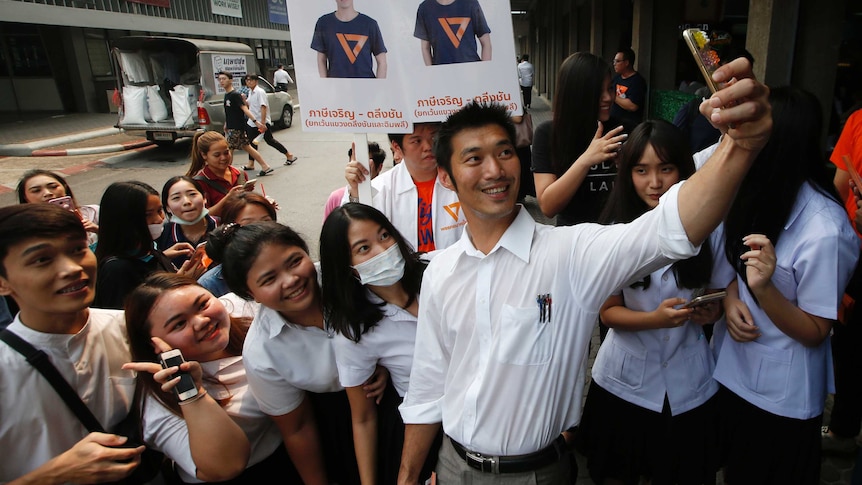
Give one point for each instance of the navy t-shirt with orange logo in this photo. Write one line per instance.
(451, 30)
(349, 46)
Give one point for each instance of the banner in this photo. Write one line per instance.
(157, 3)
(234, 64)
(230, 8)
(277, 11)
(368, 66)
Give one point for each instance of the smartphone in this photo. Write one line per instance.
(851, 169)
(186, 388)
(64, 202)
(705, 55)
(249, 185)
(700, 300)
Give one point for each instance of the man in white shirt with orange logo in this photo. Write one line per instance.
(423, 210)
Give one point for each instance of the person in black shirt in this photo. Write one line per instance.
(235, 112)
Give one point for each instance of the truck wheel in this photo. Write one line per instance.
(286, 117)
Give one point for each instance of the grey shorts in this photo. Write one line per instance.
(236, 138)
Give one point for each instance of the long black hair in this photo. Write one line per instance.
(123, 228)
(345, 299)
(624, 204)
(793, 156)
(576, 106)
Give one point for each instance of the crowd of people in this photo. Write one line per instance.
(443, 334)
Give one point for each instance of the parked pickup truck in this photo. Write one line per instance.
(169, 90)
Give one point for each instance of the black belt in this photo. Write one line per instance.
(513, 464)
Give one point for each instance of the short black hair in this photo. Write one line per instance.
(472, 115)
(629, 55)
(18, 223)
(252, 77)
(525, 57)
(377, 155)
(229, 75)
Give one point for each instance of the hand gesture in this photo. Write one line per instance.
(193, 267)
(354, 172)
(759, 261)
(376, 384)
(165, 377)
(97, 458)
(740, 324)
(671, 317)
(707, 313)
(741, 108)
(183, 249)
(603, 147)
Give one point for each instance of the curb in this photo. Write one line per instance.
(26, 149)
(119, 147)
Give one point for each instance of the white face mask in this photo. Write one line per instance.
(155, 230)
(385, 269)
(184, 222)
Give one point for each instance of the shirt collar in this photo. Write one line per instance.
(518, 239)
(802, 197)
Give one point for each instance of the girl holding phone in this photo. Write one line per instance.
(37, 185)
(650, 412)
(289, 351)
(792, 250)
(219, 434)
(211, 168)
(189, 219)
(371, 280)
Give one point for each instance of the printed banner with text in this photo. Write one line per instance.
(377, 66)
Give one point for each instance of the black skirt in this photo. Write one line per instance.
(762, 448)
(625, 442)
(335, 431)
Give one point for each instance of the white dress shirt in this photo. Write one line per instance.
(501, 380)
(256, 99)
(167, 432)
(390, 343)
(816, 255)
(35, 424)
(396, 196)
(280, 76)
(283, 360)
(641, 366)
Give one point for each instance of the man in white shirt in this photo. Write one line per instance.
(424, 211)
(51, 273)
(506, 314)
(281, 78)
(259, 107)
(525, 79)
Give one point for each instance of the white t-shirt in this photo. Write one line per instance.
(35, 424)
(256, 99)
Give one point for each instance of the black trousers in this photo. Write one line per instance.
(528, 95)
(252, 132)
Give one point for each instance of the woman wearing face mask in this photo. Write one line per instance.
(371, 281)
(288, 352)
(132, 219)
(189, 216)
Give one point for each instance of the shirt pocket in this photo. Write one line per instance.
(628, 365)
(768, 370)
(523, 339)
(698, 367)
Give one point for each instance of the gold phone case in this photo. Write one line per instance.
(705, 55)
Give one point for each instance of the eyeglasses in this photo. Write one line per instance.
(615, 61)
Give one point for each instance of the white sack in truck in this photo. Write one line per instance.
(134, 105)
(181, 105)
(156, 105)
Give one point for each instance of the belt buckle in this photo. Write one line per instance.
(488, 464)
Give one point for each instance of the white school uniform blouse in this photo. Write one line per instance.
(502, 381)
(35, 424)
(390, 343)
(168, 433)
(396, 196)
(816, 255)
(642, 366)
(283, 360)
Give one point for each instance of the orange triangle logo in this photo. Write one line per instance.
(359, 42)
(454, 210)
(448, 23)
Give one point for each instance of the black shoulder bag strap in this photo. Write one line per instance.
(209, 182)
(39, 360)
